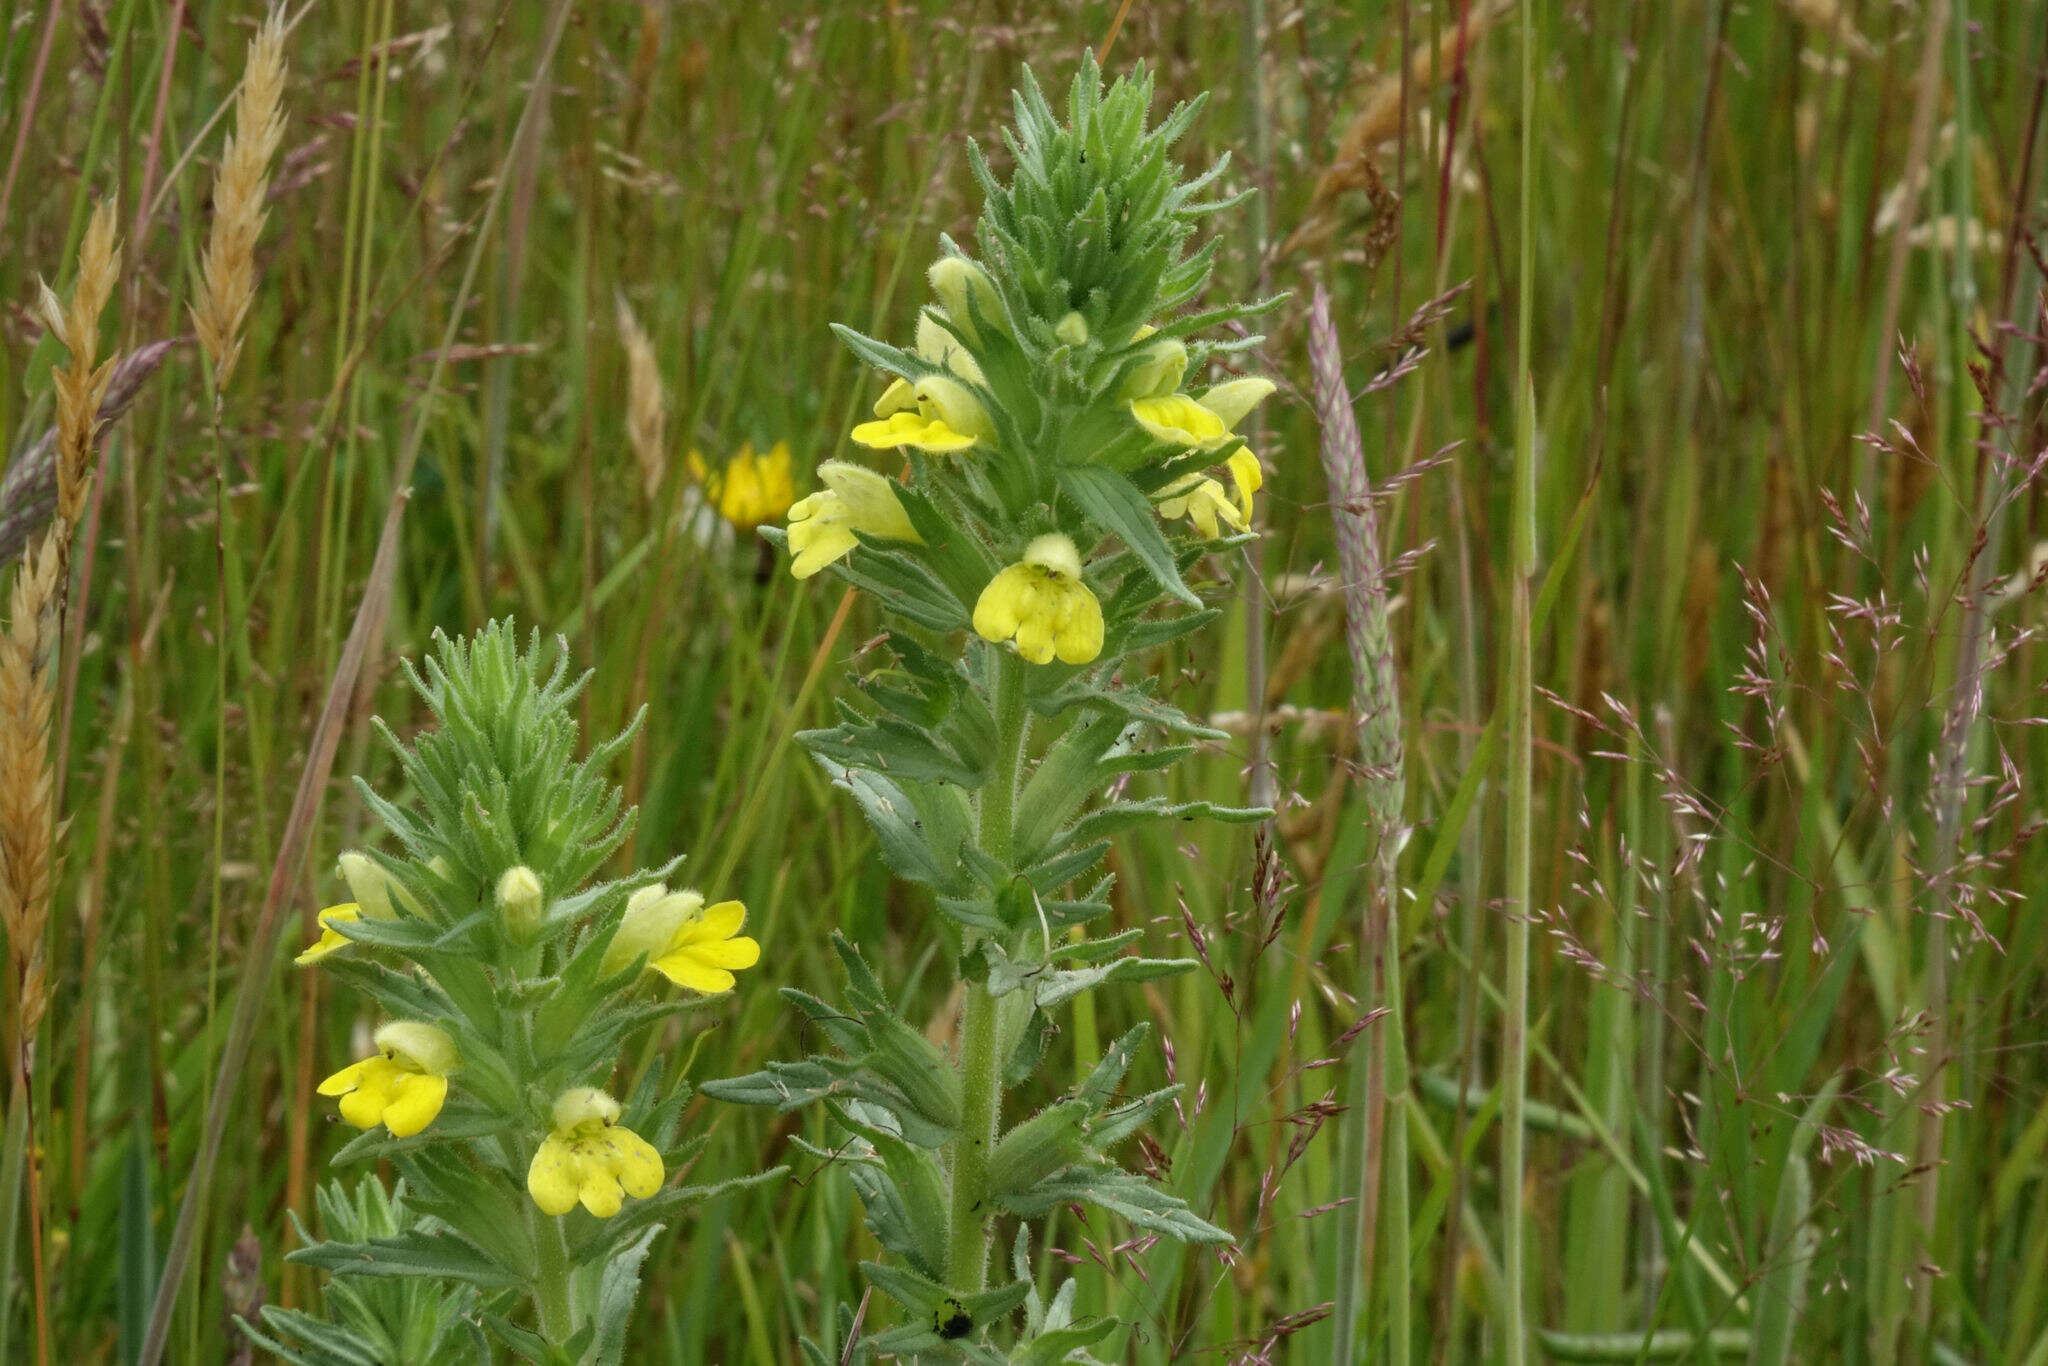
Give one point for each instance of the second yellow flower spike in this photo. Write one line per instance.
(752, 490)
(403, 1085)
(591, 1159)
(1044, 605)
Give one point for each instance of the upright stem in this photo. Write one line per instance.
(1521, 755)
(1521, 781)
(981, 1069)
(551, 1283)
(1393, 1071)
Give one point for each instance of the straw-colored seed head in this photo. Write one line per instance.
(240, 186)
(80, 385)
(646, 409)
(27, 813)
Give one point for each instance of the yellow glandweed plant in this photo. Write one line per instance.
(1063, 474)
(509, 986)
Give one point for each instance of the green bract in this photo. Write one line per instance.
(1038, 542)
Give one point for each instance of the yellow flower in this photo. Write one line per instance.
(331, 940)
(591, 1158)
(1042, 602)
(1202, 500)
(822, 526)
(937, 414)
(1204, 423)
(372, 888)
(692, 945)
(403, 1085)
(752, 490)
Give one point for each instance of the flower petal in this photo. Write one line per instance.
(721, 920)
(599, 1191)
(813, 546)
(1178, 420)
(1080, 635)
(554, 1177)
(637, 1164)
(686, 970)
(344, 1081)
(740, 952)
(364, 1107)
(1231, 400)
(415, 1100)
(331, 941)
(911, 429)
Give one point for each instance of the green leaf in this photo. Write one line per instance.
(1058, 1344)
(1113, 503)
(617, 1288)
(1054, 987)
(900, 828)
(905, 753)
(883, 356)
(904, 586)
(1120, 1192)
(415, 1252)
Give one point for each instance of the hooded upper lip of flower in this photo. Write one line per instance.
(591, 1158)
(403, 1085)
(752, 490)
(854, 499)
(691, 944)
(1206, 423)
(1043, 602)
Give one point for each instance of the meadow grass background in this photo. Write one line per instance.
(1741, 217)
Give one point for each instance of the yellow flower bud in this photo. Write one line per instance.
(1161, 367)
(1072, 329)
(521, 899)
(956, 279)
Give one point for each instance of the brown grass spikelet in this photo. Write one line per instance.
(80, 385)
(646, 408)
(241, 184)
(27, 816)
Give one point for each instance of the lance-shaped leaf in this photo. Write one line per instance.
(1113, 503)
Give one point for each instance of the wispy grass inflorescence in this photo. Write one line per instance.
(240, 187)
(1375, 1130)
